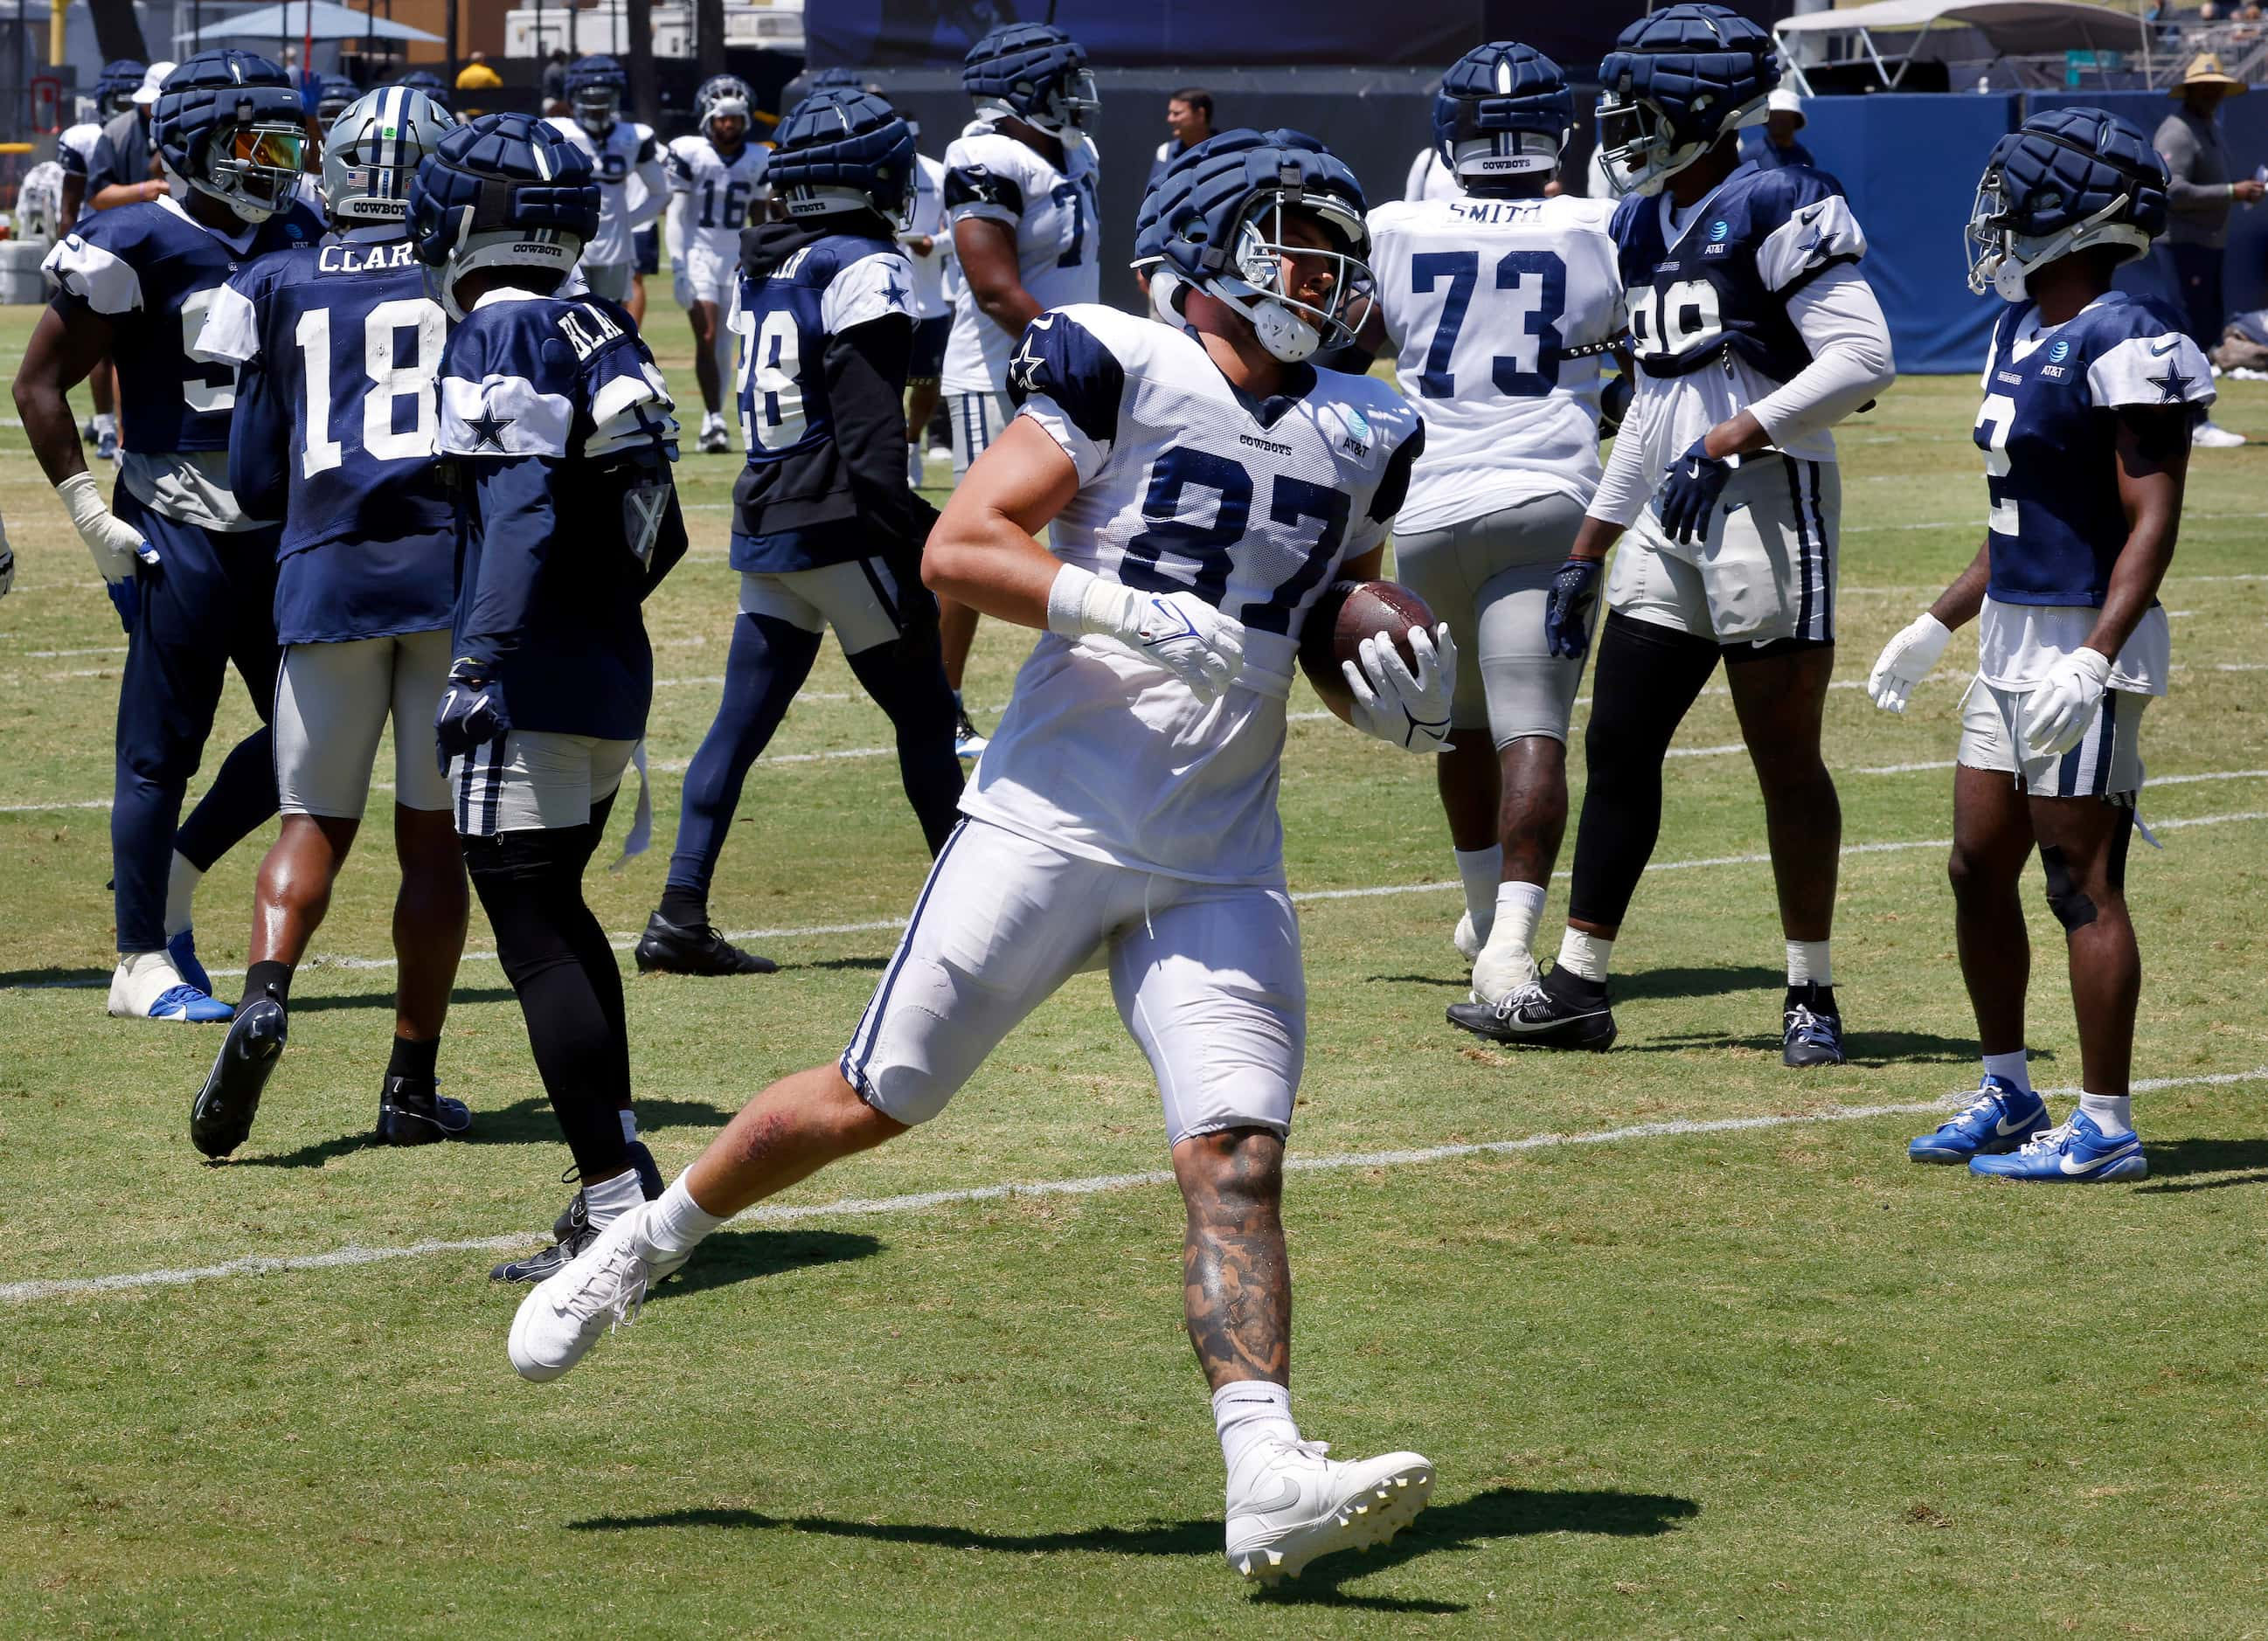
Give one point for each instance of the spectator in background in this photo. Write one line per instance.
(2201, 195)
(555, 84)
(1188, 116)
(477, 75)
(1778, 147)
(124, 167)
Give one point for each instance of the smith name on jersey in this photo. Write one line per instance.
(2049, 429)
(1481, 299)
(1185, 484)
(154, 271)
(992, 177)
(562, 430)
(338, 351)
(794, 508)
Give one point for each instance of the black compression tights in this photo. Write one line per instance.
(1644, 681)
(569, 984)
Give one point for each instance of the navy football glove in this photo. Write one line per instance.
(472, 712)
(1697, 479)
(1567, 609)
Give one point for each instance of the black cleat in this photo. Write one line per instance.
(966, 743)
(1559, 1010)
(220, 1118)
(668, 948)
(573, 1231)
(1811, 1032)
(413, 1112)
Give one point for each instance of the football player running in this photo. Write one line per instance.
(193, 577)
(633, 189)
(714, 177)
(338, 358)
(2088, 397)
(1754, 333)
(560, 430)
(1019, 195)
(825, 531)
(1203, 483)
(1481, 297)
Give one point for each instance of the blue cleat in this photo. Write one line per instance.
(182, 948)
(2077, 1153)
(192, 1004)
(2000, 1118)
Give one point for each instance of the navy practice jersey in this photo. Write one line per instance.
(1724, 281)
(562, 432)
(2048, 431)
(790, 512)
(153, 272)
(338, 356)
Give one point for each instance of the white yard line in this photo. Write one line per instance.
(1091, 1185)
(624, 942)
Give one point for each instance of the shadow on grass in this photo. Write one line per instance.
(1862, 1047)
(309, 1004)
(731, 1256)
(56, 978)
(528, 1122)
(2205, 1164)
(1497, 1514)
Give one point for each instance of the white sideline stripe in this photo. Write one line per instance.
(2150, 782)
(623, 943)
(1092, 1185)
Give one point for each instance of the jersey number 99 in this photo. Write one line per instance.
(389, 378)
(1665, 324)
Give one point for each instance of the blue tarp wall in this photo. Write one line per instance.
(1910, 165)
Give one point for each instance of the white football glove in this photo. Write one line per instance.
(115, 543)
(1180, 632)
(1905, 660)
(2058, 712)
(1408, 709)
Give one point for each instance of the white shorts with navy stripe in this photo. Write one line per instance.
(534, 781)
(978, 420)
(858, 598)
(1206, 975)
(2106, 764)
(1765, 570)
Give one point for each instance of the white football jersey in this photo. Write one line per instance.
(616, 158)
(710, 196)
(931, 300)
(1430, 178)
(1184, 484)
(1480, 297)
(1052, 213)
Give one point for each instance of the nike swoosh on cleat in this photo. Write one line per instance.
(1283, 1500)
(2003, 1128)
(2071, 1165)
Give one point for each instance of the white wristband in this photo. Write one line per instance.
(1067, 601)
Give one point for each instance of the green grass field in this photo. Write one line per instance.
(1737, 1369)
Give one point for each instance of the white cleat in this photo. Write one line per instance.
(714, 438)
(1289, 1504)
(2212, 436)
(1502, 969)
(1468, 939)
(598, 1291)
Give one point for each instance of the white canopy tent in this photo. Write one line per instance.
(1894, 34)
(299, 20)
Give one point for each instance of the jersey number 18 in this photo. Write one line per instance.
(391, 379)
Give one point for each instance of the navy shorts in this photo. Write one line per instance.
(927, 363)
(645, 247)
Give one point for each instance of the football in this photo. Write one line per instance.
(1348, 612)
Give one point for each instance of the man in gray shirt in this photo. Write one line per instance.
(2200, 197)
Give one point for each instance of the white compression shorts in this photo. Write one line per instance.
(332, 704)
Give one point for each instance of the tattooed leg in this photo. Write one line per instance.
(1236, 1280)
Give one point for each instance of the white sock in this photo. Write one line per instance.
(1808, 964)
(180, 893)
(629, 1125)
(677, 1222)
(2012, 1067)
(1519, 908)
(2113, 1113)
(142, 978)
(1479, 869)
(1248, 1412)
(104, 422)
(609, 1200)
(1585, 955)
